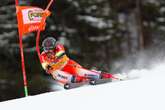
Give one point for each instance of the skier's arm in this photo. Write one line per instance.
(60, 54)
(45, 65)
(60, 51)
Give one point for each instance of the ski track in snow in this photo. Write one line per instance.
(144, 93)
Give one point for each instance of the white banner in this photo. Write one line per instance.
(32, 15)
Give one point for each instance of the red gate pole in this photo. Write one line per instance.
(22, 60)
(39, 31)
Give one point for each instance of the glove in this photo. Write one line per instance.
(49, 69)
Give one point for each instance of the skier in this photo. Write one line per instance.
(63, 69)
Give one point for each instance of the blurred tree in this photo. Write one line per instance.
(11, 83)
(86, 26)
(116, 26)
(95, 32)
(136, 12)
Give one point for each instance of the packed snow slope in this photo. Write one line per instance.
(144, 93)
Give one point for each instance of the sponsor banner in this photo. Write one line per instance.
(31, 19)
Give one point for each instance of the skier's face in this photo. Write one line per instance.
(50, 55)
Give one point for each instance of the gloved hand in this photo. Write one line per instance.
(49, 69)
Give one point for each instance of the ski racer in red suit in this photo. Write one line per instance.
(64, 70)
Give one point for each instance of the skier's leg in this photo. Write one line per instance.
(65, 77)
(96, 74)
(77, 70)
(105, 75)
(80, 72)
(88, 73)
(62, 77)
(71, 68)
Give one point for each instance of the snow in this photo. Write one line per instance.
(162, 9)
(97, 22)
(162, 28)
(144, 93)
(161, 19)
(155, 2)
(100, 38)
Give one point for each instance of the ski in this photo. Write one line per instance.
(121, 77)
(75, 85)
(90, 82)
(99, 81)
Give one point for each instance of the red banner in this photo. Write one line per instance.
(31, 19)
